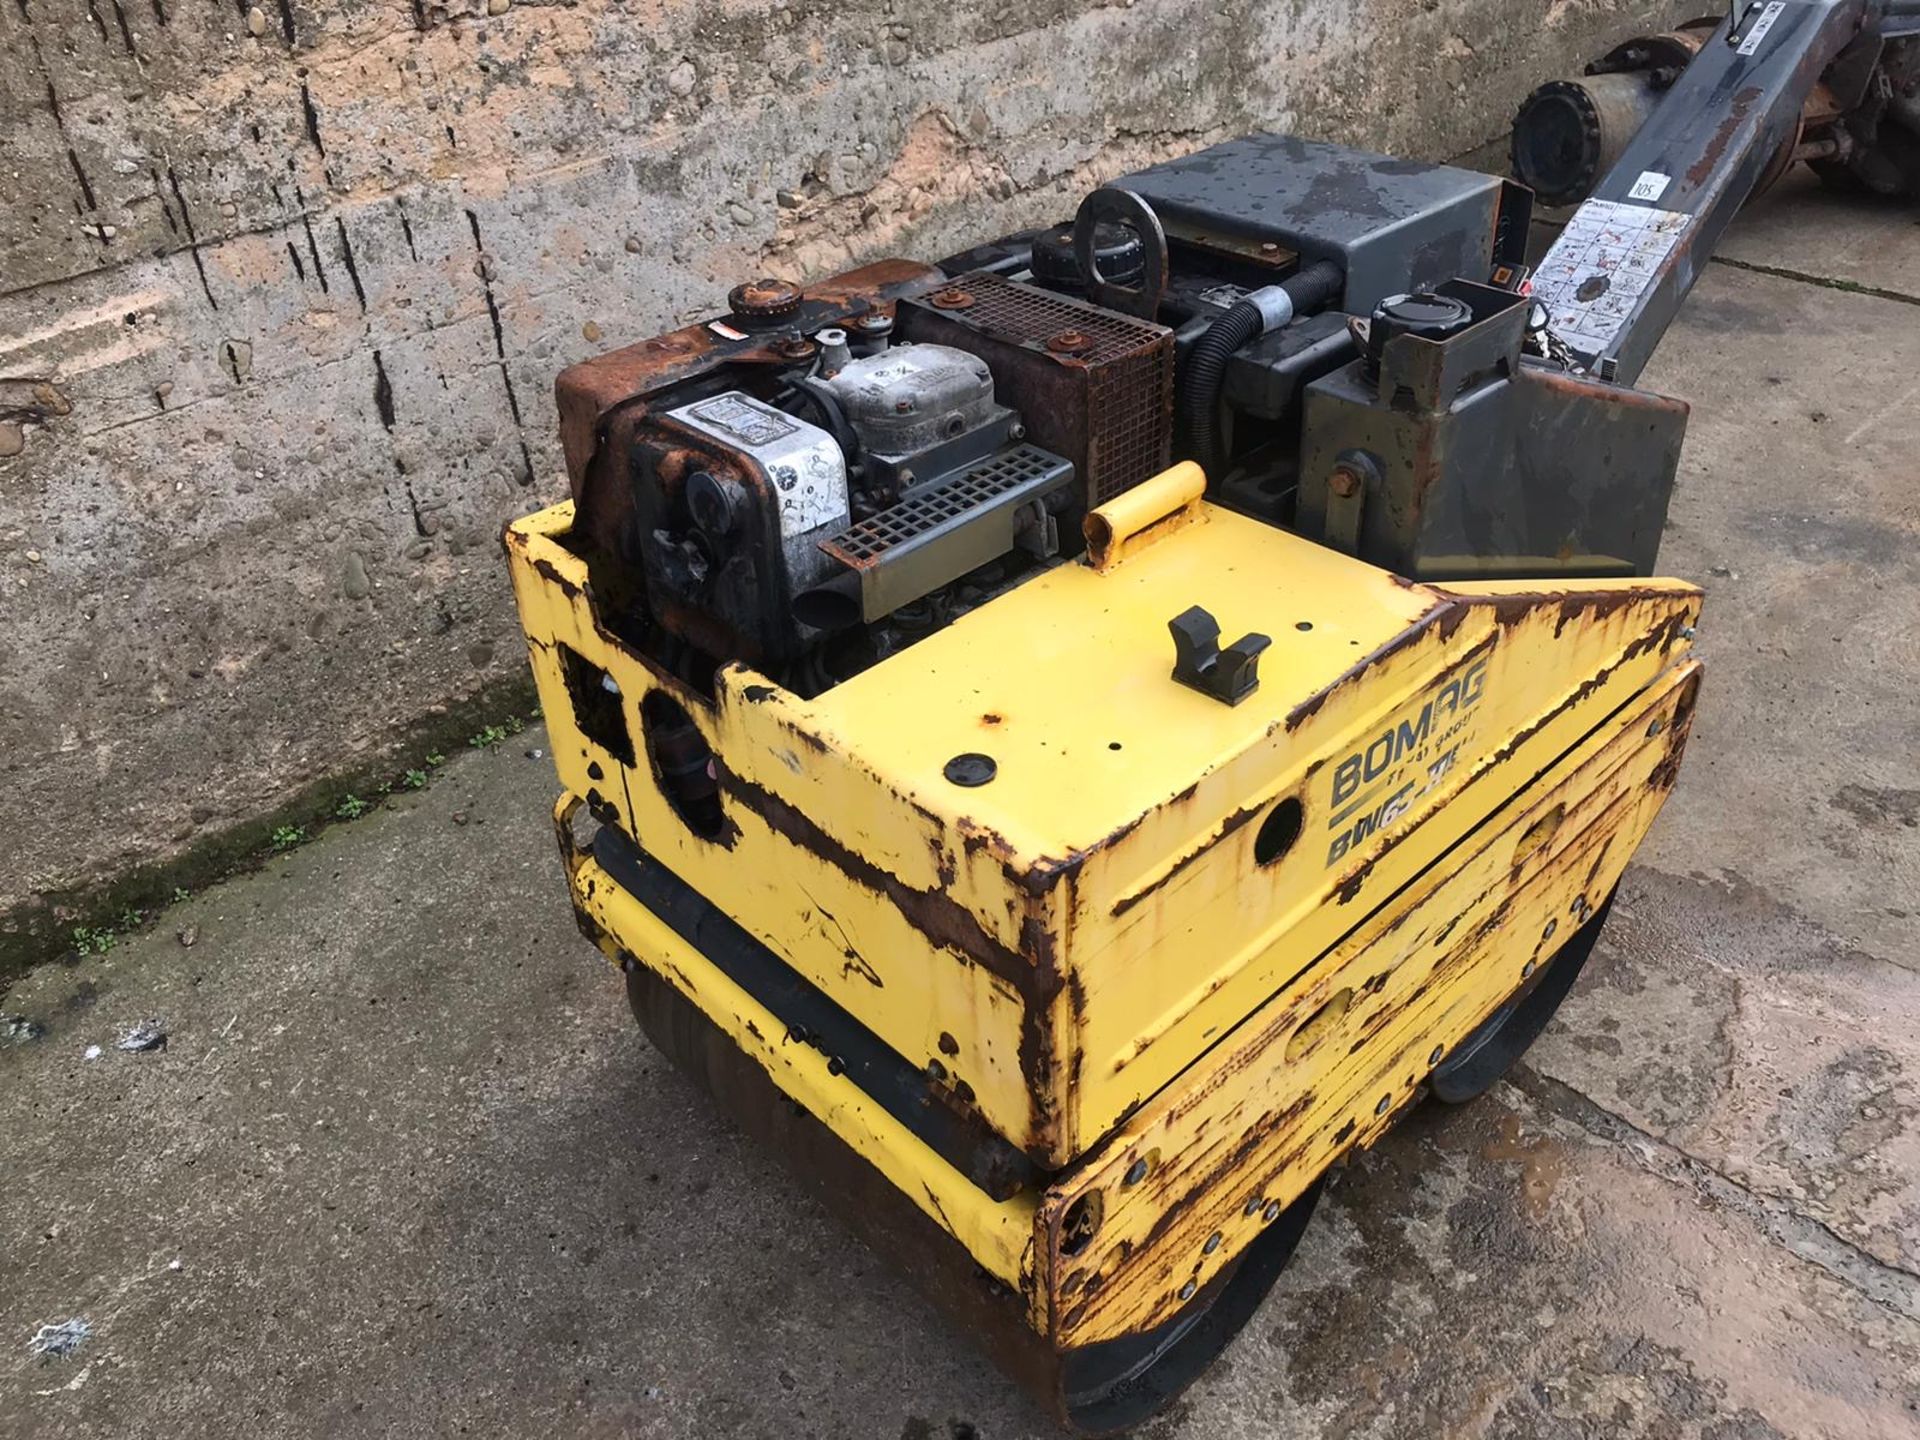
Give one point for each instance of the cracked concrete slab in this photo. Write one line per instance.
(1802, 227)
(1762, 1048)
(1796, 507)
(419, 1172)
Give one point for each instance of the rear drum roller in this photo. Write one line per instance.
(1096, 1390)
(1504, 1036)
(1111, 1387)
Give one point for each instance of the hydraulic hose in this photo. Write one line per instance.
(1311, 290)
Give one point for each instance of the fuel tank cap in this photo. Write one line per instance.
(763, 302)
(1423, 314)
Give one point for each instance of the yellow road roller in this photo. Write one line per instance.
(1068, 741)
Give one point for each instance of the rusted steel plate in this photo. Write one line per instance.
(1260, 1118)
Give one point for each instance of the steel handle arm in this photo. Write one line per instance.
(1616, 277)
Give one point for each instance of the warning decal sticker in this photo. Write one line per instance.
(1592, 279)
(1751, 45)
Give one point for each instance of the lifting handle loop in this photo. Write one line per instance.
(1137, 518)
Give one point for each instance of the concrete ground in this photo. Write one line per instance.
(405, 1165)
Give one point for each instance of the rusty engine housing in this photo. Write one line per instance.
(648, 465)
(825, 475)
(1101, 382)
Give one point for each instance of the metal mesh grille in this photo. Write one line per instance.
(1027, 313)
(914, 517)
(1129, 366)
(1127, 439)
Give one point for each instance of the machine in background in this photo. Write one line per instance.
(1069, 741)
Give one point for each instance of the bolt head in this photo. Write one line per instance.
(1136, 1172)
(1386, 1103)
(1526, 969)
(1187, 1290)
(1272, 1212)
(1344, 482)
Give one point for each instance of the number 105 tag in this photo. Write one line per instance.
(1650, 186)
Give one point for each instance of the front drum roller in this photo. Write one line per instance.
(1107, 1388)
(1103, 1389)
(1504, 1036)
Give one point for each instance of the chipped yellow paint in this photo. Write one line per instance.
(1110, 946)
(1150, 511)
(998, 1234)
(1256, 1120)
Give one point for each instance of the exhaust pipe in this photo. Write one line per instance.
(832, 605)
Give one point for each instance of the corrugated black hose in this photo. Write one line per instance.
(1306, 293)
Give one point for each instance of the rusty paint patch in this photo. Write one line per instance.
(1701, 171)
(943, 920)
(1179, 1192)
(1663, 636)
(1236, 821)
(1442, 618)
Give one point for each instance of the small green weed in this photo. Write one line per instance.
(414, 779)
(285, 837)
(352, 808)
(93, 941)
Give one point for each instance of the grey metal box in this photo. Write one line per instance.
(1396, 225)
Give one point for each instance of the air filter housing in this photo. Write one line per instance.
(1092, 385)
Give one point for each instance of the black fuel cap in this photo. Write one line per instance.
(1055, 267)
(1424, 314)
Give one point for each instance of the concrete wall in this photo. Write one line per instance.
(283, 290)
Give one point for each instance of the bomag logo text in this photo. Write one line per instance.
(1379, 782)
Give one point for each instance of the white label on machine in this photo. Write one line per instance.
(1592, 279)
(1650, 186)
(751, 426)
(804, 462)
(1751, 44)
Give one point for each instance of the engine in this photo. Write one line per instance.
(826, 473)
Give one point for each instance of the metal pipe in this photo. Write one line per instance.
(1268, 308)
